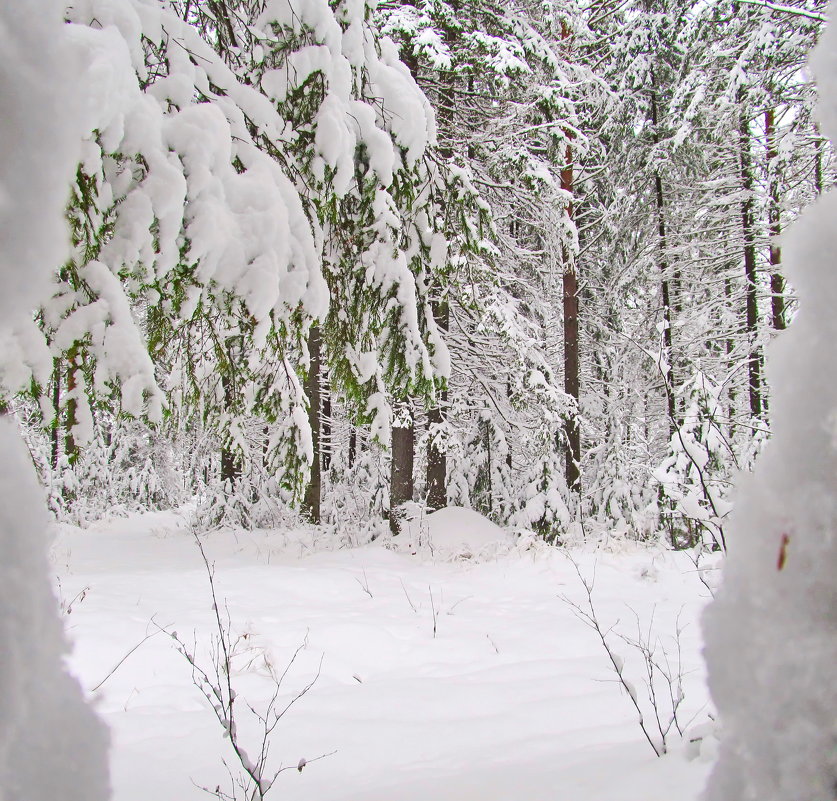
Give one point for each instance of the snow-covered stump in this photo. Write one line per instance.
(51, 744)
(771, 635)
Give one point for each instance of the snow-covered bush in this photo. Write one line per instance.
(696, 476)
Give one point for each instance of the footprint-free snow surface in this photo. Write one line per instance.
(440, 678)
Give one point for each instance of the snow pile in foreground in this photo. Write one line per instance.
(51, 746)
(772, 634)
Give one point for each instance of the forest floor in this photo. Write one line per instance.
(440, 678)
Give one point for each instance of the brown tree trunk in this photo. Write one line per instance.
(748, 224)
(662, 264)
(818, 168)
(437, 461)
(352, 446)
(777, 282)
(401, 477)
(71, 420)
(572, 431)
(325, 434)
(56, 403)
(313, 492)
(230, 465)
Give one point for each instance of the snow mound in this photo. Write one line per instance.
(455, 532)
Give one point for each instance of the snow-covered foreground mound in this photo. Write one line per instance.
(445, 681)
(454, 532)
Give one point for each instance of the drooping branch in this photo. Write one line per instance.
(783, 9)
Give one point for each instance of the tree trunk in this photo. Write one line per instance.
(325, 434)
(352, 446)
(818, 168)
(401, 478)
(777, 282)
(748, 224)
(70, 447)
(56, 403)
(230, 465)
(662, 263)
(572, 431)
(313, 492)
(437, 461)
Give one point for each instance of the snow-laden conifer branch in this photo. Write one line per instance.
(784, 9)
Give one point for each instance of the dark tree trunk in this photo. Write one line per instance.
(662, 264)
(572, 432)
(748, 224)
(730, 347)
(56, 403)
(818, 168)
(311, 501)
(777, 282)
(352, 446)
(71, 420)
(230, 464)
(437, 461)
(401, 478)
(325, 434)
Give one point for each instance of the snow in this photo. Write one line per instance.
(772, 633)
(455, 531)
(511, 697)
(41, 702)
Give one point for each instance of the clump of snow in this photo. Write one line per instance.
(772, 632)
(454, 532)
(51, 744)
(34, 174)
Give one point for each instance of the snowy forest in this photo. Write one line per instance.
(437, 391)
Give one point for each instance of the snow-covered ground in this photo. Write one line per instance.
(441, 680)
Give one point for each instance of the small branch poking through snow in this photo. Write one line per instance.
(433, 608)
(216, 686)
(119, 663)
(409, 600)
(663, 714)
(364, 584)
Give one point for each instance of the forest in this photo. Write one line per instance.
(516, 313)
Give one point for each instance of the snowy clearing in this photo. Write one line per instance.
(514, 697)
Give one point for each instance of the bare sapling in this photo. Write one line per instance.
(659, 707)
(252, 774)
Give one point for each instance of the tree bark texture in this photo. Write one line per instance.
(572, 431)
(401, 476)
(748, 224)
(56, 405)
(437, 460)
(777, 281)
(313, 492)
(662, 265)
(325, 418)
(71, 420)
